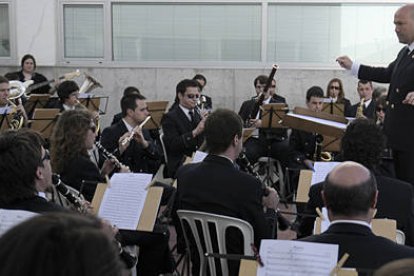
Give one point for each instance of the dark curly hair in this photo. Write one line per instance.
(363, 142)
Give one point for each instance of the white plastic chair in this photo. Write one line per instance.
(400, 237)
(221, 223)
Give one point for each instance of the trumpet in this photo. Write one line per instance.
(135, 129)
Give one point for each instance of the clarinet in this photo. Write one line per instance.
(71, 197)
(245, 163)
(107, 155)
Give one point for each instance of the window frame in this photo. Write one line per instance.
(12, 58)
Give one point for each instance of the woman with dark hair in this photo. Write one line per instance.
(73, 135)
(27, 72)
(59, 244)
(335, 92)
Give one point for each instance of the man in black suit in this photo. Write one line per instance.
(400, 115)
(216, 186)
(141, 154)
(365, 90)
(350, 194)
(127, 91)
(363, 143)
(183, 126)
(68, 93)
(258, 145)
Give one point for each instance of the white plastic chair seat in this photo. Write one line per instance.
(221, 223)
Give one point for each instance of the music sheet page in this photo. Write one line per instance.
(321, 171)
(320, 121)
(124, 199)
(285, 257)
(10, 218)
(199, 156)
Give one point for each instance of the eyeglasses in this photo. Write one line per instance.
(192, 96)
(379, 109)
(46, 156)
(334, 87)
(260, 86)
(273, 86)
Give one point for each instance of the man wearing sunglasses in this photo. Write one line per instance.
(183, 125)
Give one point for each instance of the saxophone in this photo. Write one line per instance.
(360, 109)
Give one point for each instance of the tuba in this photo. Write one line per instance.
(17, 90)
(89, 84)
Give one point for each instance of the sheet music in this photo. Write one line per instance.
(199, 156)
(10, 218)
(321, 171)
(285, 257)
(85, 95)
(124, 199)
(320, 121)
(324, 223)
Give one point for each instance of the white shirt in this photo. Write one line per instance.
(360, 222)
(186, 112)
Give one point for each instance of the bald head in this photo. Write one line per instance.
(348, 174)
(349, 191)
(404, 23)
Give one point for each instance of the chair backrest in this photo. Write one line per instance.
(220, 223)
(400, 237)
(164, 150)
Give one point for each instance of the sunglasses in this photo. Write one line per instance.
(379, 109)
(192, 96)
(334, 87)
(273, 86)
(92, 128)
(46, 156)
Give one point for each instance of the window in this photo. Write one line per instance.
(318, 33)
(186, 32)
(83, 31)
(4, 31)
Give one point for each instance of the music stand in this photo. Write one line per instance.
(273, 114)
(156, 110)
(328, 125)
(333, 108)
(44, 120)
(5, 117)
(36, 101)
(93, 103)
(247, 133)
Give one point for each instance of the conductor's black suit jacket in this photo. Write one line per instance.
(399, 119)
(178, 137)
(366, 250)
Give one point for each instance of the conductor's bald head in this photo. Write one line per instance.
(350, 191)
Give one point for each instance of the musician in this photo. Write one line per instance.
(303, 143)
(141, 154)
(127, 91)
(68, 93)
(72, 245)
(27, 72)
(365, 90)
(350, 194)
(74, 133)
(257, 145)
(363, 143)
(335, 92)
(8, 106)
(24, 172)
(183, 126)
(205, 100)
(216, 186)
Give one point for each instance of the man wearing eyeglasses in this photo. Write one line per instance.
(25, 172)
(183, 126)
(68, 93)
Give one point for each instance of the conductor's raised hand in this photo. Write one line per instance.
(344, 62)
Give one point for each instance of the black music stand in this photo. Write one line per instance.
(333, 108)
(36, 101)
(44, 120)
(94, 104)
(156, 109)
(272, 118)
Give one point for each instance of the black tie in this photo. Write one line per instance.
(191, 116)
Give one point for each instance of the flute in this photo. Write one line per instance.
(140, 126)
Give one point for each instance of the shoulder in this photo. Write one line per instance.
(278, 99)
